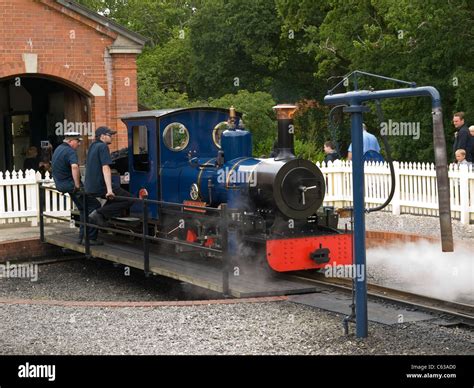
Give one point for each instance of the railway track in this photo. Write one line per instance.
(461, 311)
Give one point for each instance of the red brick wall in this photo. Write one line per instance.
(71, 49)
(375, 238)
(26, 249)
(125, 83)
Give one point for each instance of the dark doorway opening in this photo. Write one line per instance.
(34, 111)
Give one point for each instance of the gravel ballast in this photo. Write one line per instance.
(281, 327)
(245, 328)
(99, 280)
(255, 328)
(408, 223)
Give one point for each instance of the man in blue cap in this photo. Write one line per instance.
(67, 179)
(99, 178)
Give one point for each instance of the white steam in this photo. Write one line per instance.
(424, 269)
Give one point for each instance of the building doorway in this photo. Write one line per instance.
(18, 143)
(34, 112)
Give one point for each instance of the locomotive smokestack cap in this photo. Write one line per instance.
(285, 148)
(285, 111)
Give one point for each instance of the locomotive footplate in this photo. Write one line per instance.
(315, 252)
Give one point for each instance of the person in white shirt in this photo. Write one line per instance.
(461, 157)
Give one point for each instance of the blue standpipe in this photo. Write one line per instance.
(353, 101)
(359, 217)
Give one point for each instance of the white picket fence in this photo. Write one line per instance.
(415, 193)
(19, 198)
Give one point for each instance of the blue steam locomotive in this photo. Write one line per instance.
(203, 157)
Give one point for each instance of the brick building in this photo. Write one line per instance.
(61, 66)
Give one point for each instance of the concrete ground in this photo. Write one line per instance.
(12, 232)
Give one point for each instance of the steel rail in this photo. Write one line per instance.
(459, 310)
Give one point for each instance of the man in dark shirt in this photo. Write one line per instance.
(67, 179)
(463, 138)
(99, 178)
(330, 151)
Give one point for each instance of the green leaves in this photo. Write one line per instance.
(429, 42)
(229, 51)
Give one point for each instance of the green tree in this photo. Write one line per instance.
(154, 19)
(429, 42)
(239, 44)
(295, 50)
(163, 73)
(165, 63)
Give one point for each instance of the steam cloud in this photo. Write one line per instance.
(423, 269)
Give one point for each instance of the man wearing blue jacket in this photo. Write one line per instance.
(99, 178)
(67, 178)
(463, 139)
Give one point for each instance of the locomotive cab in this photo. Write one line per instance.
(161, 144)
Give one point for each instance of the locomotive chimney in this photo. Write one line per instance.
(285, 145)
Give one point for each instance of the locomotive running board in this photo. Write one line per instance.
(197, 271)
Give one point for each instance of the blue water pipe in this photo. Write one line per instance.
(354, 105)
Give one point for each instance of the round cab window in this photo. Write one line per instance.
(176, 136)
(217, 133)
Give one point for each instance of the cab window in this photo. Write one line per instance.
(141, 160)
(176, 137)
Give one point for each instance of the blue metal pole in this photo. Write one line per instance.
(359, 218)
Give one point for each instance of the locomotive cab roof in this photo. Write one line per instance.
(159, 113)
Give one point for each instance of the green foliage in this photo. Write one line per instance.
(307, 150)
(165, 64)
(224, 52)
(464, 93)
(169, 63)
(239, 44)
(163, 73)
(428, 42)
(151, 18)
(227, 57)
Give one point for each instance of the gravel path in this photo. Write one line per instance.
(99, 280)
(257, 328)
(261, 328)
